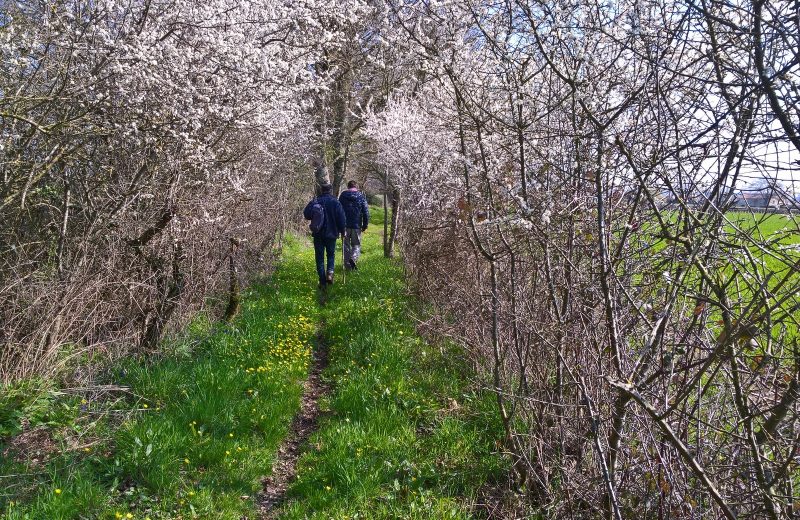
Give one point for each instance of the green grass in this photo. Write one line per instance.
(763, 225)
(191, 433)
(406, 436)
(753, 251)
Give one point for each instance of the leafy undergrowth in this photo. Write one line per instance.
(187, 436)
(405, 436)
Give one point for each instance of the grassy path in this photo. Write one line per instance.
(404, 435)
(191, 435)
(304, 424)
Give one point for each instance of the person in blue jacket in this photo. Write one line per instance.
(325, 238)
(357, 212)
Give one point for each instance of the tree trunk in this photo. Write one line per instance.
(385, 227)
(62, 237)
(341, 132)
(395, 223)
(172, 290)
(320, 174)
(234, 295)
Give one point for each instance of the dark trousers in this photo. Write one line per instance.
(322, 246)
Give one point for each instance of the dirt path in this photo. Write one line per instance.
(284, 469)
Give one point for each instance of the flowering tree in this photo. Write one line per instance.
(578, 160)
(149, 148)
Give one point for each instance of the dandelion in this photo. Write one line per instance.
(58, 491)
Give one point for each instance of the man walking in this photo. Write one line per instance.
(357, 212)
(327, 222)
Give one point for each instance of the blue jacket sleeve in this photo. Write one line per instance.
(307, 211)
(341, 219)
(364, 213)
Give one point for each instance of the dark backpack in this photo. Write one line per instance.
(317, 217)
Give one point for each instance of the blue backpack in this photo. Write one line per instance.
(317, 217)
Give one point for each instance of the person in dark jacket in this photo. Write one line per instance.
(325, 238)
(357, 212)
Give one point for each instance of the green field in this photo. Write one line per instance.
(754, 259)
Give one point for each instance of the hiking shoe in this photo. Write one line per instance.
(329, 278)
(353, 265)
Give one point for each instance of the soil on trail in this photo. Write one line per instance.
(284, 469)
